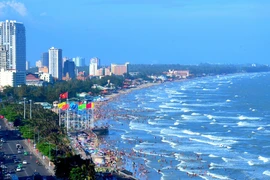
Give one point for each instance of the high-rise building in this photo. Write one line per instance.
(79, 61)
(12, 78)
(45, 59)
(119, 69)
(94, 63)
(55, 63)
(27, 65)
(69, 69)
(64, 60)
(12, 37)
(38, 63)
(3, 57)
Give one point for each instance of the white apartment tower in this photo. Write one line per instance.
(55, 63)
(94, 62)
(12, 38)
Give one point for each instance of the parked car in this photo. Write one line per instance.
(18, 169)
(24, 162)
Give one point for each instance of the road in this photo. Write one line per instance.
(9, 148)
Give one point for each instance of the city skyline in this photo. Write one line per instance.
(146, 32)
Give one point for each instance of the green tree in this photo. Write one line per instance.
(76, 173)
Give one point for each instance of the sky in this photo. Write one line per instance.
(146, 31)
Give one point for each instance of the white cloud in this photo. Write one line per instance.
(13, 5)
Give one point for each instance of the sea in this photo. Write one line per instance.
(215, 127)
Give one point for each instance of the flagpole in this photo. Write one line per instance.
(88, 119)
(59, 112)
(92, 117)
(67, 117)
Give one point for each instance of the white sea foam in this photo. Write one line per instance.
(187, 117)
(144, 127)
(125, 137)
(185, 110)
(267, 173)
(251, 163)
(190, 132)
(208, 116)
(228, 100)
(195, 114)
(172, 144)
(171, 132)
(217, 176)
(212, 137)
(176, 123)
(225, 159)
(173, 127)
(213, 156)
(260, 128)
(264, 159)
(245, 124)
(152, 122)
(241, 117)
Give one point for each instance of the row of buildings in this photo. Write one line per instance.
(52, 66)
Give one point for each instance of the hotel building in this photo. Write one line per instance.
(55, 63)
(94, 63)
(12, 38)
(119, 69)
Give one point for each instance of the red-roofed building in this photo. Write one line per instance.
(33, 80)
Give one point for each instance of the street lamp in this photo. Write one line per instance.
(30, 108)
(24, 108)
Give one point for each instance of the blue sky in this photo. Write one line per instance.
(146, 31)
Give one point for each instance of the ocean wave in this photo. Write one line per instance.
(190, 132)
(212, 137)
(152, 122)
(267, 173)
(195, 114)
(125, 137)
(264, 159)
(213, 156)
(245, 124)
(144, 127)
(251, 163)
(171, 132)
(241, 117)
(185, 110)
(260, 128)
(172, 144)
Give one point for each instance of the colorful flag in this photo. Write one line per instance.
(64, 95)
(82, 106)
(92, 105)
(60, 105)
(89, 106)
(65, 107)
(73, 106)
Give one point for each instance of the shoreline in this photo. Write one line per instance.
(124, 161)
(112, 97)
